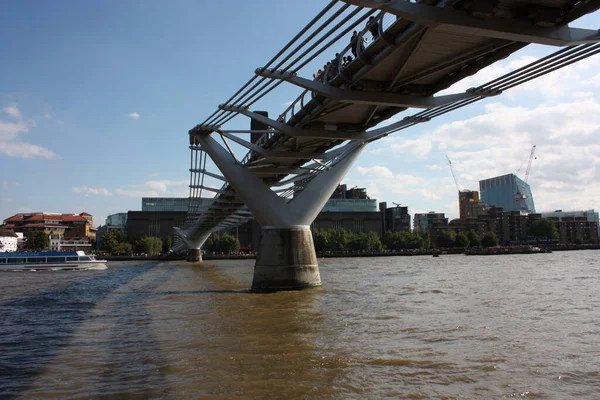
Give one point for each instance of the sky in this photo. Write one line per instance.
(96, 99)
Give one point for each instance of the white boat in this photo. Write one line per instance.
(65, 260)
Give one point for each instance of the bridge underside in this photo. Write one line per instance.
(414, 51)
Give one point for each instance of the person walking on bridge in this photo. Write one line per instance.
(374, 28)
(355, 45)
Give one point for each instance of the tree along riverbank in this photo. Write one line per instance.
(417, 252)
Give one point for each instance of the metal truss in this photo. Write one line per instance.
(288, 174)
(483, 23)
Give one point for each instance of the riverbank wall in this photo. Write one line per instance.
(427, 252)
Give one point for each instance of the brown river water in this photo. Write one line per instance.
(453, 327)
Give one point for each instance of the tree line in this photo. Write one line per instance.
(115, 242)
(341, 239)
(222, 243)
(345, 240)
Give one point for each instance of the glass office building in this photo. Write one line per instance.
(164, 204)
(119, 219)
(508, 192)
(423, 222)
(591, 215)
(350, 205)
(170, 203)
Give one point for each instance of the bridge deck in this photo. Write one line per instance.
(416, 56)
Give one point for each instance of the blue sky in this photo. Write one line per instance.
(96, 99)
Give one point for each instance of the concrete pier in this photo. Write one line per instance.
(194, 255)
(286, 260)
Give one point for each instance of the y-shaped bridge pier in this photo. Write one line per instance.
(413, 51)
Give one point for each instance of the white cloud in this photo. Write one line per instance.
(11, 144)
(26, 150)
(376, 172)
(134, 115)
(566, 170)
(94, 191)
(552, 86)
(435, 167)
(135, 193)
(560, 113)
(13, 111)
(582, 95)
(156, 188)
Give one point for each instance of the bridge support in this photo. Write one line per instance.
(286, 260)
(194, 255)
(286, 256)
(194, 245)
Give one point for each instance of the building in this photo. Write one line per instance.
(8, 240)
(514, 226)
(74, 226)
(508, 192)
(508, 226)
(591, 215)
(119, 219)
(180, 204)
(342, 192)
(469, 205)
(576, 229)
(153, 223)
(350, 205)
(357, 222)
(153, 204)
(395, 218)
(60, 243)
(423, 222)
(350, 209)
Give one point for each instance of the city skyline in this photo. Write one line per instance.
(94, 118)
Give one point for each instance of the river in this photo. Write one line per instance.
(453, 327)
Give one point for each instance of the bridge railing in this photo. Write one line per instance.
(383, 20)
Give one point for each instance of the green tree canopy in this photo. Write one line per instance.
(150, 245)
(489, 240)
(426, 239)
(112, 239)
(544, 228)
(223, 243)
(321, 240)
(474, 238)
(366, 241)
(37, 240)
(462, 240)
(339, 239)
(405, 240)
(167, 244)
(374, 241)
(211, 243)
(229, 243)
(123, 249)
(446, 238)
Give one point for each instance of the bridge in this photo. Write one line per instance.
(403, 54)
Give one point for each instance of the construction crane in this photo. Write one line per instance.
(453, 174)
(521, 196)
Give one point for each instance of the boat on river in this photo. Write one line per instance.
(53, 260)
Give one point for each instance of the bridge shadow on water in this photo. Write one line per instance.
(133, 359)
(36, 326)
